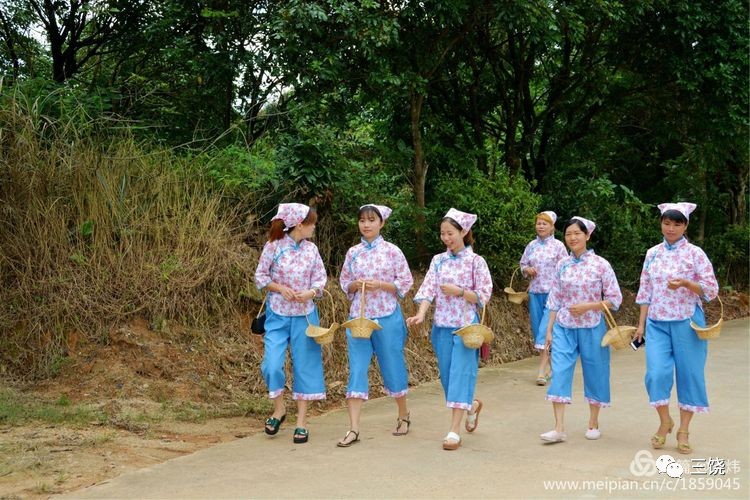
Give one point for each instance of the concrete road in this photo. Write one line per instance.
(504, 458)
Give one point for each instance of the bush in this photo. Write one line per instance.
(505, 206)
(625, 226)
(729, 254)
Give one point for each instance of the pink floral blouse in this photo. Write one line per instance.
(665, 262)
(379, 260)
(589, 278)
(297, 266)
(465, 269)
(543, 255)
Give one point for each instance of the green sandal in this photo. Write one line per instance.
(301, 435)
(274, 423)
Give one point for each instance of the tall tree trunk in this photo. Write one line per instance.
(420, 169)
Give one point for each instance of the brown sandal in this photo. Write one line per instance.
(399, 422)
(346, 444)
(472, 426)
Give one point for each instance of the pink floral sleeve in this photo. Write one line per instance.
(554, 299)
(429, 288)
(347, 277)
(403, 279)
(610, 287)
(263, 271)
(482, 280)
(318, 275)
(645, 289)
(704, 274)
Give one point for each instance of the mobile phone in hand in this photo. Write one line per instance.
(636, 344)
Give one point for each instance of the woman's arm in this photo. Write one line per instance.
(641, 328)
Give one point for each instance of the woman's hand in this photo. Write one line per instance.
(373, 285)
(580, 308)
(676, 283)
(417, 319)
(355, 286)
(452, 290)
(548, 340)
(287, 293)
(638, 333)
(304, 295)
(530, 272)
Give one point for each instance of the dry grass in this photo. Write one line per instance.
(94, 232)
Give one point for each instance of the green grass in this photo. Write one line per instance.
(17, 408)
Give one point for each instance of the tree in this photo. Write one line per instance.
(79, 30)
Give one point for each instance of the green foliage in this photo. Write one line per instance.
(308, 158)
(625, 226)
(236, 169)
(729, 254)
(505, 207)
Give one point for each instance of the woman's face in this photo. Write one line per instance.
(370, 226)
(452, 238)
(544, 228)
(306, 231)
(576, 239)
(672, 230)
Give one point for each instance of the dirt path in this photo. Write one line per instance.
(38, 461)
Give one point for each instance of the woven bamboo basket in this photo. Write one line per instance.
(710, 332)
(361, 327)
(320, 334)
(475, 334)
(514, 296)
(616, 337)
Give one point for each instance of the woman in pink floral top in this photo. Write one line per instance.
(382, 268)
(583, 282)
(676, 276)
(291, 271)
(459, 283)
(538, 263)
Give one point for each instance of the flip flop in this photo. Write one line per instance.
(344, 444)
(472, 420)
(275, 423)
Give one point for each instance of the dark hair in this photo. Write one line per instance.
(369, 209)
(277, 226)
(468, 237)
(578, 223)
(674, 215)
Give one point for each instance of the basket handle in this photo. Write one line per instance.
(610, 320)
(481, 318)
(513, 276)
(722, 306)
(306, 316)
(362, 302)
(262, 305)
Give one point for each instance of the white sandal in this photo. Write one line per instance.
(452, 441)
